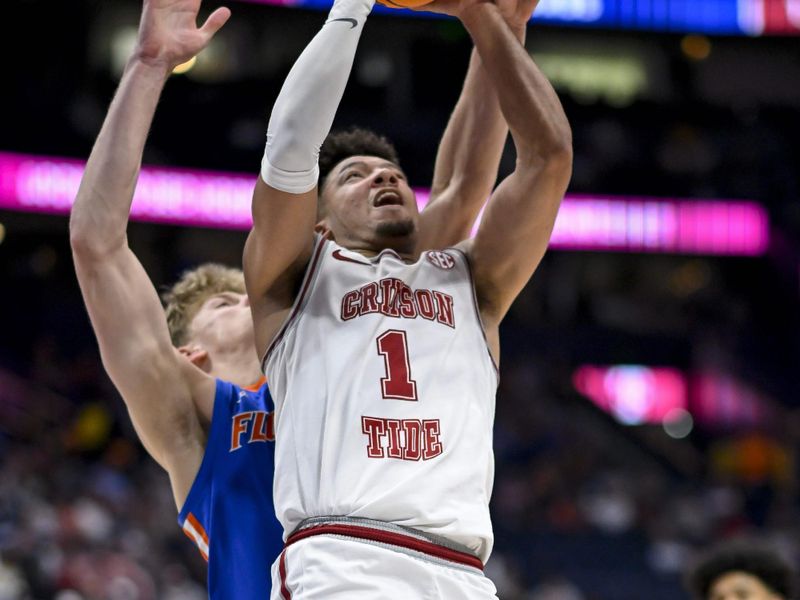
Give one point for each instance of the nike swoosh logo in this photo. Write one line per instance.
(337, 254)
(353, 22)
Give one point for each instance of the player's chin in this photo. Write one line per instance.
(242, 329)
(395, 228)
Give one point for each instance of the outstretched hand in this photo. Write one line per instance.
(168, 31)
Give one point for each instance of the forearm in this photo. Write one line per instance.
(100, 213)
(473, 141)
(527, 100)
(306, 105)
(466, 163)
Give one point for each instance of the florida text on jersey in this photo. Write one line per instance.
(229, 512)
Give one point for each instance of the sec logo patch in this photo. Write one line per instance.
(441, 260)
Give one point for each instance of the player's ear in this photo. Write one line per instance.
(196, 355)
(323, 227)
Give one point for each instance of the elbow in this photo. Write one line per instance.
(87, 244)
(559, 155)
(84, 250)
(80, 240)
(558, 165)
(82, 233)
(553, 160)
(557, 149)
(550, 150)
(97, 223)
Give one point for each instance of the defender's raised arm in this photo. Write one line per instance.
(123, 305)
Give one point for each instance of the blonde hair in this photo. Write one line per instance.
(186, 296)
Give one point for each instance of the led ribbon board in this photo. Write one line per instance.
(222, 200)
(722, 17)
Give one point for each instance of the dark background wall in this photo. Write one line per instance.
(584, 507)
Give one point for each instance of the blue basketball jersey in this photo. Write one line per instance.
(229, 512)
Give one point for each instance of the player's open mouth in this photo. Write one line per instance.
(387, 198)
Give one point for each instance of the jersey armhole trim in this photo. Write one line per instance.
(257, 385)
(195, 532)
(199, 491)
(305, 289)
(477, 310)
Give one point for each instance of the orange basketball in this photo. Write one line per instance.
(404, 3)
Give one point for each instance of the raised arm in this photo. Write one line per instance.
(518, 220)
(158, 386)
(285, 197)
(471, 147)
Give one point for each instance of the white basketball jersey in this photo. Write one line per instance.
(384, 394)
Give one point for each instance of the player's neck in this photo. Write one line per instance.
(404, 249)
(409, 257)
(241, 368)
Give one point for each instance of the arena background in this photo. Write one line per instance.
(649, 396)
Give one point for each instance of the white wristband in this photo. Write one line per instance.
(293, 182)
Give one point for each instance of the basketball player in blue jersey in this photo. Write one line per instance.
(383, 359)
(192, 381)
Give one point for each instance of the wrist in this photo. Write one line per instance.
(149, 66)
(351, 8)
(475, 14)
(518, 29)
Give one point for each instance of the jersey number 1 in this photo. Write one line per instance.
(397, 385)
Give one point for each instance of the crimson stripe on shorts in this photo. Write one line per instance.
(285, 593)
(388, 537)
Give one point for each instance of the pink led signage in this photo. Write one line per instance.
(634, 394)
(661, 225)
(724, 401)
(178, 196)
(215, 199)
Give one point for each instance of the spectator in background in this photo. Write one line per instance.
(741, 570)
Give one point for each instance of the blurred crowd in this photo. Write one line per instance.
(84, 513)
(584, 508)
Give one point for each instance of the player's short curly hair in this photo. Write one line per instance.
(194, 287)
(751, 557)
(343, 144)
(355, 141)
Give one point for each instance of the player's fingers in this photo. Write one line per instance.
(215, 21)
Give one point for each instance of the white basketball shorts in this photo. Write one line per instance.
(343, 561)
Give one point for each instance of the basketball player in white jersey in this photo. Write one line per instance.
(165, 368)
(382, 361)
